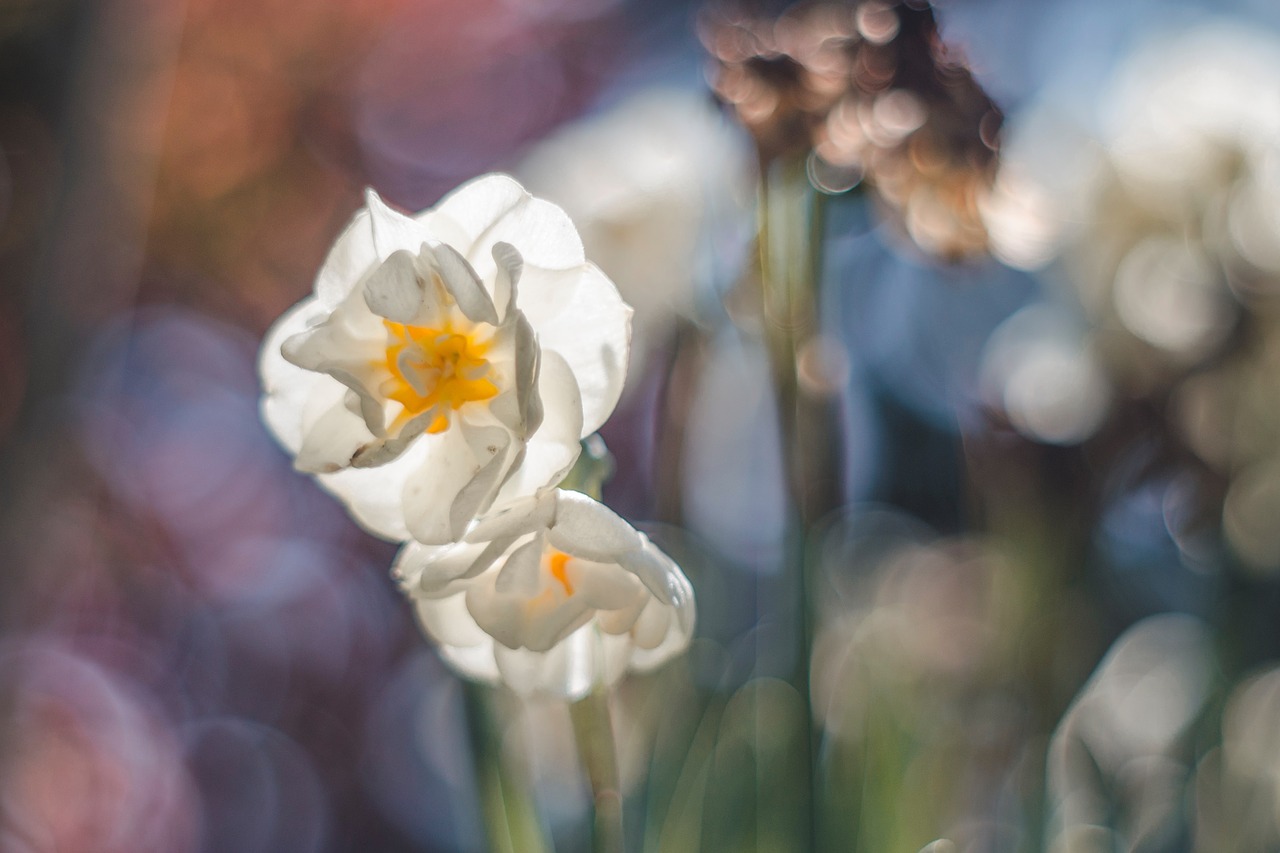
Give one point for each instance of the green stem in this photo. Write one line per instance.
(791, 228)
(511, 822)
(792, 223)
(592, 470)
(593, 731)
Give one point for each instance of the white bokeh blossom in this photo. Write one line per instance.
(552, 595)
(661, 168)
(447, 362)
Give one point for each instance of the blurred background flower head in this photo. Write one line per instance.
(868, 91)
(658, 185)
(1155, 210)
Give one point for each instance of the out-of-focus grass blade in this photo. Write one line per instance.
(758, 788)
(676, 800)
(511, 822)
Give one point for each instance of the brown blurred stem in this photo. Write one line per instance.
(792, 219)
(593, 730)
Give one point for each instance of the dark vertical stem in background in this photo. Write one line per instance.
(685, 363)
(793, 221)
(791, 228)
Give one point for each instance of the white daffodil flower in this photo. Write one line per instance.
(447, 362)
(552, 595)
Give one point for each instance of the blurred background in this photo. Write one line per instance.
(1042, 606)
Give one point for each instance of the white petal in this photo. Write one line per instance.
(520, 573)
(448, 621)
(393, 290)
(473, 662)
(528, 379)
(568, 671)
(679, 630)
(392, 230)
(347, 345)
(554, 448)
(478, 203)
(605, 587)
(352, 256)
(287, 386)
(493, 447)
(373, 495)
(494, 209)
(529, 673)
(500, 616)
(414, 558)
(347, 330)
(656, 571)
(506, 278)
(572, 669)
(528, 370)
(579, 314)
(651, 628)
(463, 285)
(493, 552)
(331, 442)
(530, 621)
(615, 658)
(435, 571)
(361, 378)
(679, 633)
(686, 611)
(519, 407)
(548, 624)
(587, 528)
(619, 621)
(448, 468)
(524, 515)
(387, 447)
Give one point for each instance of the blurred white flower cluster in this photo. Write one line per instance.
(1116, 768)
(438, 382)
(1165, 215)
(1120, 766)
(1165, 221)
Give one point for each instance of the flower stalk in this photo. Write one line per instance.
(509, 815)
(790, 244)
(592, 725)
(593, 731)
(593, 469)
(792, 217)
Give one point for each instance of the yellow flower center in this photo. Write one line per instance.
(440, 369)
(558, 564)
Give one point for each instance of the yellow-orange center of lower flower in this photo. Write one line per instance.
(557, 564)
(439, 369)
